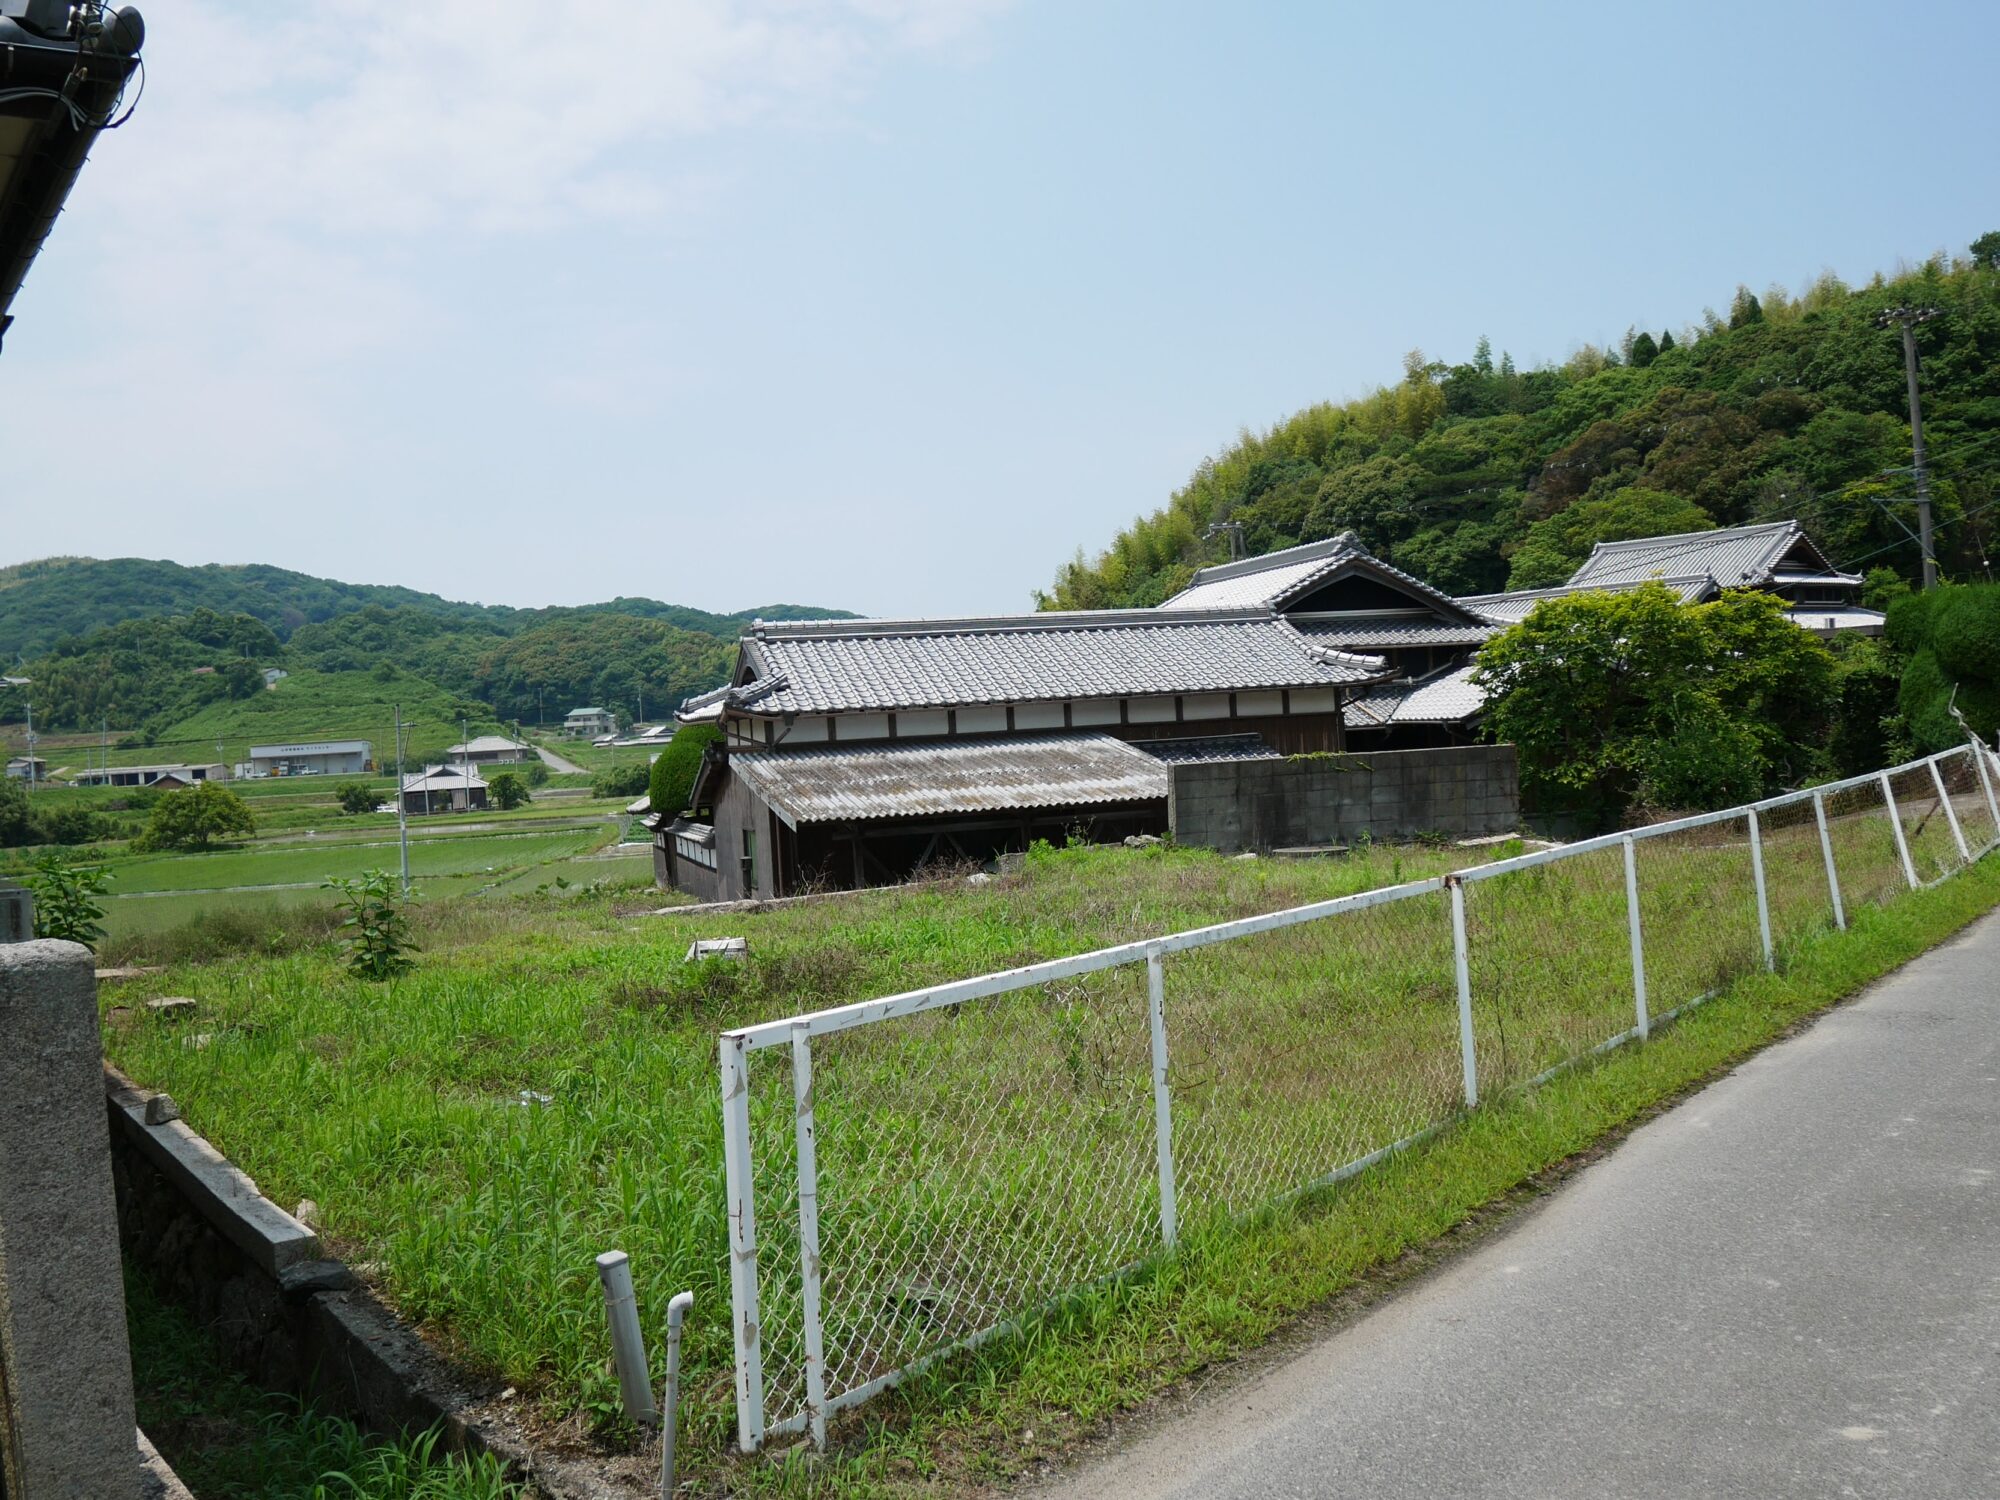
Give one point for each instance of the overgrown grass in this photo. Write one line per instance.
(229, 1441)
(414, 1114)
(399, 1109)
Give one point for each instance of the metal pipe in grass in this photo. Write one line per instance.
(670, 1403)
(628, 1346)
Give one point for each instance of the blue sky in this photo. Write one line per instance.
(883, 303)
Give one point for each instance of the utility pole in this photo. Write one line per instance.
(465, 763)
(402, 816)
(1908, 318)
(31, 744)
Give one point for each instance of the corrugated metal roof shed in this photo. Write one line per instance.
(846, 666)
(928, 778)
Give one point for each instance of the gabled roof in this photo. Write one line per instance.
(927, 778)
(1735, 557)
(858, 666)
(1513, 608)
(1279, 579)
(486, 744)
(443, 779)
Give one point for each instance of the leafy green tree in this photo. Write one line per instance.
(1666, 341)
(66, 898)
(1950, 639)
(17, 824)
(1745, 309)
(1554, 548)
(355, 797)
(195, 818)
(1986, 251)
(1644, 351)
(507, 790)
(72, 825)
(674, 768)
(377, 928)
(621, 781)
(1615, 701)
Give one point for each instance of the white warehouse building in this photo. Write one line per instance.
(322, 758)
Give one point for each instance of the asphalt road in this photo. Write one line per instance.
(1788, 1286)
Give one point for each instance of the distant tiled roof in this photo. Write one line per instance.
(1513, 608)
(848, 666)
(1277, 579)
(1208, 747)
(1735, 557)
(919, 778)
(1387, 633)
(1448, 698)
(443, 779)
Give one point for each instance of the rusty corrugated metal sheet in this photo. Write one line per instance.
(923, 778)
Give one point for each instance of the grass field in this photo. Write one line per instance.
(962, 1166)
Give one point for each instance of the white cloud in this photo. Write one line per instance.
(305, 189)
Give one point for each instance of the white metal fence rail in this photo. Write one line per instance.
(908, 1176)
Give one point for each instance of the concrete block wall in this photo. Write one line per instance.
(1465, 791)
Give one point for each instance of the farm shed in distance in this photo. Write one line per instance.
(443, 789)
(489, 750)
(172, 776)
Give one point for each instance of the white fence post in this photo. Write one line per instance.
(1163, 1105)
(1950, 812)
(1763, 893)
(1978, 752)
(1826, 852)
(1896, 822)
(1467, 1051)
(742, 1213)
(1638, 942)
(815, 1340)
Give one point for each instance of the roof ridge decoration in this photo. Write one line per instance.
(1046, 619)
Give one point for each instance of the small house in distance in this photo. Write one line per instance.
(590, 723)
(317, 758)
(28, 768)
(489, 750)
(440, 789)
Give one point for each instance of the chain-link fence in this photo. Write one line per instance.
(909, 1176)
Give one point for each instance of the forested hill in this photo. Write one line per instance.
(44, 602)
(141, 645)
(1480, 476)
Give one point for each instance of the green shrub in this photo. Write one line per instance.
(507, 790)
(621, 781)
(378, 932)
(675, 767)
(66, 904)
(355, 797)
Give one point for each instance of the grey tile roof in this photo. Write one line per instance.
(919, 778)
(1447, 698)
(1278, 578)
(1384, 634)
(1735, 556)
(1208, 747)
(848, 666)
(1513, 608)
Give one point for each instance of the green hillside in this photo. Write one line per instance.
(1479, 476)
(43, 602)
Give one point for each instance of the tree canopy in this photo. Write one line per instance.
(1617, 701)
(196, 818)
(1792, 406)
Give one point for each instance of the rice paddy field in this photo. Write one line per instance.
(544, 1086)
